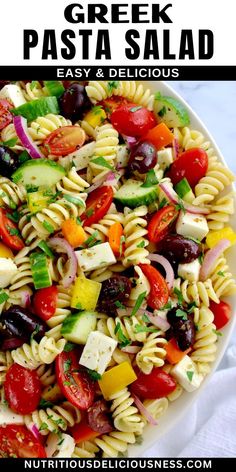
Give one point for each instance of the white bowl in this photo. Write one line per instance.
(179, 407)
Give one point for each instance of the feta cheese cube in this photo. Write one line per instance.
(122, 156)
(8, 416)
(13, 94)
(190, 271)
(7, 271)
(192, 225)
(98, 351)
(186, 374)
(81, 157)
(165, 158)
(95, 257)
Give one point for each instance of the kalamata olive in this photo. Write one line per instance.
(114, 290)
(143, 157)
(3, 83)
(8, 161)
(21, 323)
(98, 418)
(74, 101)
(178, 249)
(182, 327)
(8, 342)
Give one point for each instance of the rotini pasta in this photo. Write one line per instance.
(205, 345)
(5, 362)
(222, 280)
(73, 185)
(34, 354)
(125, 415)
(220, 212)
(152, 353)
(199, 292)
(85, 450)
(11, 195)
(40, 128)
(134, 92)
(106, 147)
(54, 419)
(114, 443)
(134, 232)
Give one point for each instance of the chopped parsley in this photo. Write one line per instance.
(33, 84)
(75, 200)
(163, 203)
(194, 240)
(23, 157)
(141, 244)
(221, 273)
(181, 314)
(43, 426)
(10, 142)
(14, 216)
(97, 110)
(67, 365)
(123, 340)
(79, 306)
(92, 240)
(145, 318)
(67, 383)
(69, 347)
(201, 257)
(94, 375)
(45, 404)
(3, 297)
(89, 212)
(112, 85)
(191, 307)
(100, 161)
(78, 221)
(46, 249)
(151, 179)
(180, 205)
(48, 227)
(31, 188)
(138, 303)
(179, 295)
(167, 306)
(37, 328)
(60, 442)
(190, 374)
(144, 329)
(13, 231)
(120, 305)
(218, 333)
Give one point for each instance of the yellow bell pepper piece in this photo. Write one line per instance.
(95, 117)
(214, 237)
(5, 251)
(85, 294)
(117, 378)
(37, 201)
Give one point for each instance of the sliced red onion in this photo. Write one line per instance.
(131, 349)
(144, 410)
(174, 198)
(25, 298)
(211, 256)
(156, 320)
(130, 140)
(170, 276)
(99, 183)
(22, 132)
(175, 145)
(35, 432)
(61, 245)
(112, 179)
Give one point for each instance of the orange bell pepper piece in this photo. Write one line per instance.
(173, 353)
(73, 233)
(115, 233)
(160, 136)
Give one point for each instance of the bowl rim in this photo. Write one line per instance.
(223, 344)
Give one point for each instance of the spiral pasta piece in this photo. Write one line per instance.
(11, 195)
(125, 416)
(204, 348)
(152, 353)
(46, 375)
(61, 313)
(59, 445)
(34, 354)
(5, 362)
(134, 92)
(100, 275)
(54, 419)
(23, 276)
(220, 212)
(33, 90)
(40, 128)
(8, 133)
(156, 408)
(85, 450)
(203, 316)
(74, 186)
(106, 147)
(200, 292)
(100, 230)
(141, 285)
(134, 232)
(114, 443)
(222, 279)
(127, 325)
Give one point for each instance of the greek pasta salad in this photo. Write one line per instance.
(114, 222)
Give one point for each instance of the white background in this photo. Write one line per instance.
(187, 14)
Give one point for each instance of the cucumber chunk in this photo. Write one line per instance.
(184, 191)
(133, 194)
(78, 326)
(54, 87)
(170, 111)
(35, 108)
(40, 271)
(39, 172)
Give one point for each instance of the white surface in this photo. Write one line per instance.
(208, 429)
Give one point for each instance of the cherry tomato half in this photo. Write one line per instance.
(17, 441)
(112, 103)
(222, 313)
(159, 292)
(22, 389)
(9, 232)
(83, 432)
(64, 140)
(191, 164)
(74, 381)
(161, 223)
(5, 114)
(97, 205)
(157, 384)
(45, 302)
(132, 120)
